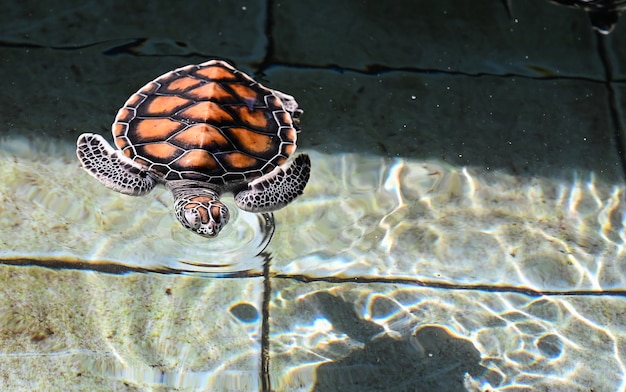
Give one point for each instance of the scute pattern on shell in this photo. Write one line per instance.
(206, 122)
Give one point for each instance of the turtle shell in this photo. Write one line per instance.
(207, 122)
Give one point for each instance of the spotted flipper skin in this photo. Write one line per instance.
(276, 189)
(111, 168)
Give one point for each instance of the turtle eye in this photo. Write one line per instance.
(192, 217)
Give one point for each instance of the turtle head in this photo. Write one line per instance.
(201, 212)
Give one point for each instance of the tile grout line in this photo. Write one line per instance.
(618, 127)
(489, 288)
(266, 383)
(269, 48)
(378, 69)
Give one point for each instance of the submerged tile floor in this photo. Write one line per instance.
(463, 228)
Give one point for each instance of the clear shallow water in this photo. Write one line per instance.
(53, 203)
(398, 270)
(363, 216)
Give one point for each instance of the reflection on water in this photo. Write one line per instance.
(386, 272)
(362, 217)
(424, 220)
(398, 337)
(50, 202)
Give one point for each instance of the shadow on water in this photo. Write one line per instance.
(430, 359)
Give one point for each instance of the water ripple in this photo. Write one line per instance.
(48, 200)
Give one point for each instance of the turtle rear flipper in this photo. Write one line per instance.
(277, 188)
(111, 167)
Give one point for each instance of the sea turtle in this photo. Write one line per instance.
(202, 130)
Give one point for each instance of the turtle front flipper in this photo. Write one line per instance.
(111, 167)
(277, 188)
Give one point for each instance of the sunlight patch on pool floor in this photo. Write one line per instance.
(470, 277)
(65, 329)
(374, 217)
(53, 210)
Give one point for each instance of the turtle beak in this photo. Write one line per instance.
(218, 217)
(200, 211)
(206, 219)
